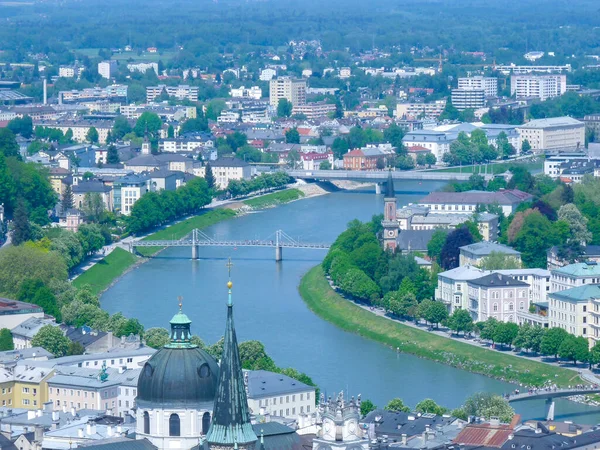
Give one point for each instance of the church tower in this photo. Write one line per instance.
(231, 427)
(146, 149)
(389, 222)
(340, 428)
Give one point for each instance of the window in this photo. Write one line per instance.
(174, 425)
(146, 422)
(584, 308)
(274, 400)
(205, 422)
(26, 401)
(585, 331)
(293, 398)
(131, 360)
(301, 397)
(308, 396)
(287, 398)
(495, 307)
(25, 390)
(293, 410)
(57, 402)
(287, 411)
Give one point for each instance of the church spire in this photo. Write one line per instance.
(231, 424)
(389, 187)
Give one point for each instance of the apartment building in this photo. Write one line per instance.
(181, 92)
(143, 67)
(24, 386)
(80, 128)
(569, 309)
(227, 169)
(430, 110)
(468, 98)
(285, 87)
(452, 287)
(113, 91)
(498, 296)
(592, 124)
(314, 110)
(538, 86)
(461, 202)
(253, 92)
(107, 69)
(556, 133)
(488, 84)
(364, 159)
(574, 275)
(473, 254)
(278, 395)
(554, 165)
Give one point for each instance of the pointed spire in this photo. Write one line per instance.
(231, 424)
(389, 187)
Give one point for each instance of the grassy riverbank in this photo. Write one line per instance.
(327, 304)
(274, 199)
(103, 273)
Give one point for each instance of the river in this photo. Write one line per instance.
(268, 307)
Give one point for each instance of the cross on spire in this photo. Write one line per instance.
(229, 265)
(180, 299)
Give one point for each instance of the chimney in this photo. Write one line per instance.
(119, 429)
(262, 411)
(48, 406)
(55, 416)
(30, 414)
(65, 409)
(38, 413)
(109, 431)
(38, 434)
(80, 432)
(73, 412)
(404, 438)
(89, 428)
(122, 369)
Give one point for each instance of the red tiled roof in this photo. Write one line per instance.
(483, 435)
(355, 152)
(417, 149)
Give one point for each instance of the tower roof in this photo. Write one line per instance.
(231, 417)
(389, 187)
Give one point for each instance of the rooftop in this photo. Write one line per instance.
(229, 162)
(578, 294)
(262, 383)
(485, 248)
(553, 122)
(497, 280)
(504, 197)
(585, 269)
(8, 307)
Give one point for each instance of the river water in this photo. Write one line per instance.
(268, 307)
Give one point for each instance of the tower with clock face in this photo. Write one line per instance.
(389, 222)
(340, 428)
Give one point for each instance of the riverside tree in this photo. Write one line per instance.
(397, 405)
(460, 320)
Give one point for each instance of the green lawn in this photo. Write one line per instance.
(327, 304)
(101, 275)
(274, 199)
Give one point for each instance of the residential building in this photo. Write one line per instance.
(365, 159)
(313, 160)
(143, 67)
(107, 69)
(473, 254)
(537, 279)
(553, 164)
(557, 133)
(430, 110)
(569, 309)
(70, 71)
(574, 275)
(538, 86)
(452, 286)
(127, 190)
(184, 144)
(267, 74)
(80, 128)
(118, 358)
(92, 187)
(468, 98)
(227, 169)
(314, 110)
(592, 125)
(461, 202)
(181, 92)
(113, 91)
(278, 395)
(94, 431)
(294, 91)
(514, 69)
(498, 296)
(13, 312)
(24, 385)
(253, 92)
(488, 84)
(437, 142)
(24, 332)
(590, 253)
(73, 219)
(345, 72)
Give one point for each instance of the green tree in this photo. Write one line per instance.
(525, 146)
(574, 349)
(6, 340)
(487, 405)
(170, 132)
(430, 159)
(51, 339)
(594, 357)
(112, 155)
(21, 125)
(93, 206)
(436, 243)
(149, 123)
(339, 147)
(121, 127)
(552, 341)
(578, 231)
(366, 406)
(284, 108)
(505, 333)
(157, 337)
(75, 348)
(488, 330)
(209, 176)
(8, 143)
(293, 159)
(499, 261)
(67, 198)
(397, 405)
(20, 225)
(394, 135)
(433, 312)
(292, 136)
(254, 356)
(460, 320)
(535, 236)
(92, 135)
(325, 165)
(449, 256)
(430, 407)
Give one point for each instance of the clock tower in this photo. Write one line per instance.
(389, 222)
(340, 428)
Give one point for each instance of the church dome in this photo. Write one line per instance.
(179, 375)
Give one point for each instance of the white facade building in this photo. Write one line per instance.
(488, 84)
(267, 74)
(107, 69)
(574, 275)
(227, 169)
(285, 87)
(498, 296)
(468, 98)
(143, 67)
(538, 86)
(557, 133)
(253, 92)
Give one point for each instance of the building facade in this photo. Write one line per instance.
(468, 98)
(488, 84)
(538, 86)
(294, 91)
(557, 133)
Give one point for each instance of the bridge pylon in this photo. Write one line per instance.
(195, 245)
(278, 247)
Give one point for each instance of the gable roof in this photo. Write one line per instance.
(497, 280)
(485, 248)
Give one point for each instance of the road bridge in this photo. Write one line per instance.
(551, 394)
(197, 239)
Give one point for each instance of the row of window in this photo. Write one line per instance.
(265, 402)
(175, 423)
(112, 362)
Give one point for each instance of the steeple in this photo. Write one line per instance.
(231, 426)
(389, 187)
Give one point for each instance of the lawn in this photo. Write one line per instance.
(327, 304)
(274, 199)
(102, 274)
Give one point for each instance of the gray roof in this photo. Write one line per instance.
(31, 326)
(89, 379)
(399, 423)
(76, 359)
(546, 440)
(552, 122)
(90, 186)
(498, 280)
(485, 248)
(24, 353)
(229, 162)
(415, 240)
(505, 197)
(123, 444)
(262, 383)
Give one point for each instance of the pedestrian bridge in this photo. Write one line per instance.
(197, 239)
(552, 393)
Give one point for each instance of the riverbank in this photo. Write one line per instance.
(274, 199)
(327, 304)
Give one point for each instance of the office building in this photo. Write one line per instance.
(468, 98)
(292, 90)
(538, 86)
(556, 133)
(488, 84)
(107, 69)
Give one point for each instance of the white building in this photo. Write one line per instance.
(498, 296)
(557, 133)
(468, 201)
(181, 92)
(452, 286)
(267, 74)
(107, 69)
(227, 169)
(574, 275)
(468, 98)
(570, 310)
(533, 56)
(488, 84)
(143, 67)
(278, 395)
(13, 312)
(254, 92)
(285, 87)
(419, 110)
(473, 254)
(538, 86)
(345, 72)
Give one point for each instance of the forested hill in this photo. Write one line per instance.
(203, 27)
